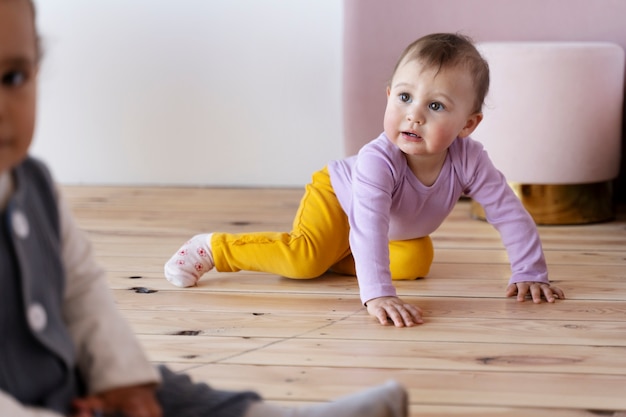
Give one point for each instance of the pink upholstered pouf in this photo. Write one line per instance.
(553, 120)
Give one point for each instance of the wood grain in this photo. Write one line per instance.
(306, 341)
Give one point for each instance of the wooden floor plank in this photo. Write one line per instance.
(307, 341)
(423, 355)
(442, 329)
(527, 389)
(152, 266)
(336, 305)
(575, 289)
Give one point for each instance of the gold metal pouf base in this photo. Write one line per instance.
(559, 204)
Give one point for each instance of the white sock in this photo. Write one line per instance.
(190, 262)
(386, 400)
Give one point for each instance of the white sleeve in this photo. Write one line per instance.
(93, 319)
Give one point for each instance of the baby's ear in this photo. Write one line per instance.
(472, 122)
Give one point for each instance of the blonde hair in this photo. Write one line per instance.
(447, 50)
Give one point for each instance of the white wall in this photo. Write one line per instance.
(190, 92)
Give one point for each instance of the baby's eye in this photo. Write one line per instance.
(14, 78)
(436, 106)
(405, 97)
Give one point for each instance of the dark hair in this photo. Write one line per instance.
(37, 37)
(445, 50)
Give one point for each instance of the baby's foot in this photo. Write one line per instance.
(387, 400)
(190, 262)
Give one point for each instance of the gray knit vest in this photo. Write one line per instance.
(37, 358)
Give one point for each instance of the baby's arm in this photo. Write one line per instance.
(518, 231)
(94, 321)
(373, 181)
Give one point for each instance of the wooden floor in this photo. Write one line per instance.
(298, 342)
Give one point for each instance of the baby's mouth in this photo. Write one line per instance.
(411, 134)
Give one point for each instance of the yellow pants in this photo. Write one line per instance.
(318, 242)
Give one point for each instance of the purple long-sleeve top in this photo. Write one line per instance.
(385, 201)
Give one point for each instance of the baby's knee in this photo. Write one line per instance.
(303, 270)
(411, 259)
(410, 272)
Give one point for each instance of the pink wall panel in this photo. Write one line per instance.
(377, 31)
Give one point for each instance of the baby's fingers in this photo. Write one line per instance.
(536, 290)
(511, 290)
(382, 316)
(558, 293)
(552, 293)
(412, 315)
(523, 289)
(393, 310)
(404, 315)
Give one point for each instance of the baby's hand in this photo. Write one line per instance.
(393, 309)
(134, 401)
(536, 290)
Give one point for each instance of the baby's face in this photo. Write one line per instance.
(18, 76)
(428, 108)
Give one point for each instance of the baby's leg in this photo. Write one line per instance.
(180, 396)
(289, 255)
(318, 239)
(345, 266)
(387, 400)
(410, 259)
